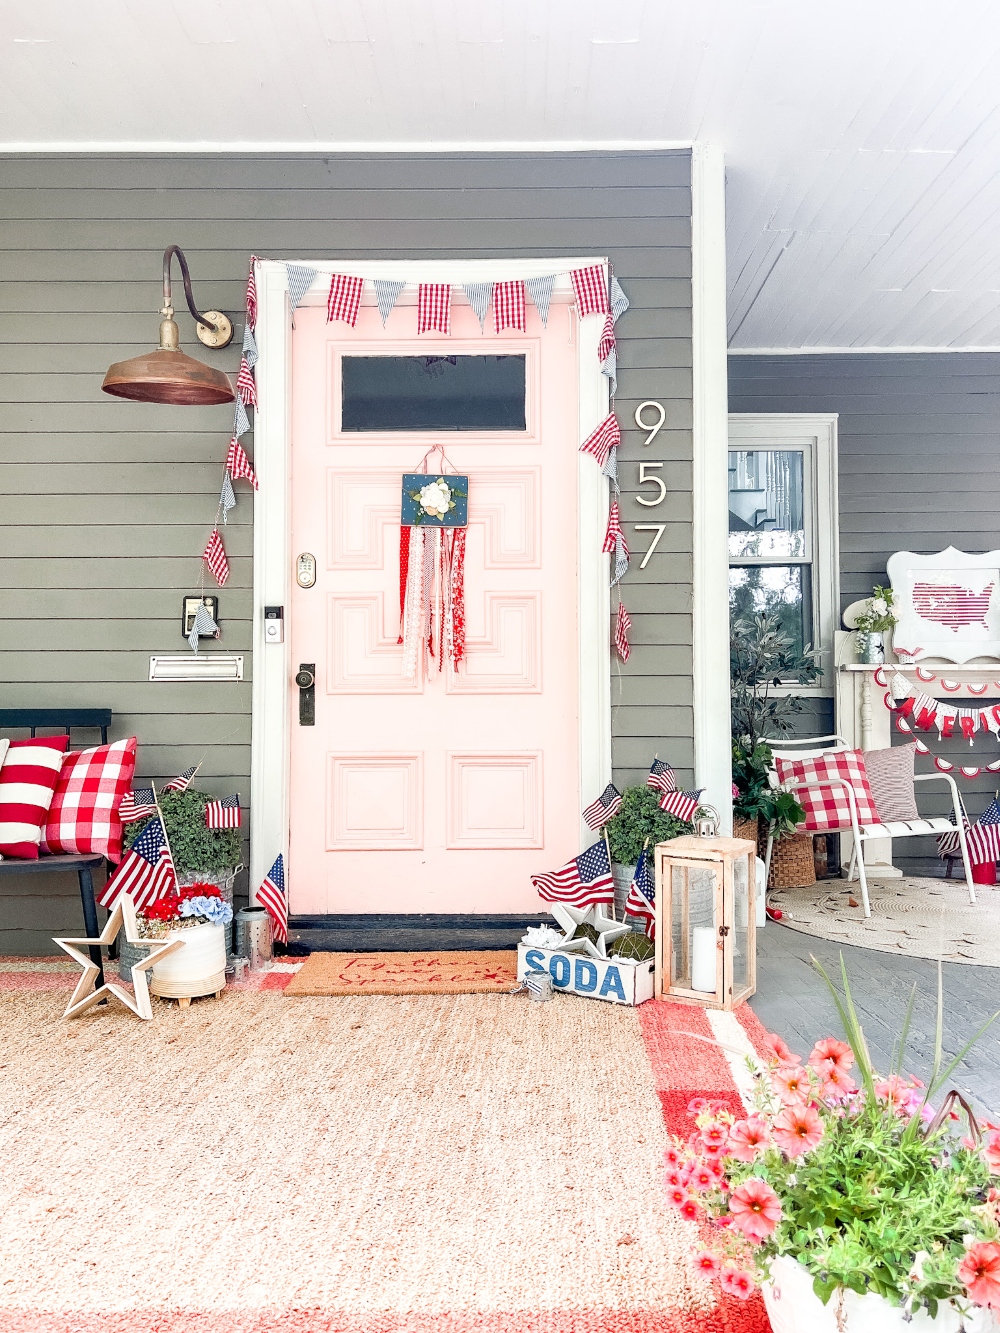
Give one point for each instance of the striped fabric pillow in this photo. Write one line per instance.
(28, 778)
(890, 773)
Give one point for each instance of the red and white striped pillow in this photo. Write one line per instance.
(28, 778)
(84, 815)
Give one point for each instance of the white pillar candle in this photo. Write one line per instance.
(703, 958)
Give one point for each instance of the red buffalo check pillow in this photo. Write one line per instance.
(83, 816)
(828, 808)
(28, 778)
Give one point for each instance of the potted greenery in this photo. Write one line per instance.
(199, 853)
(873, 624)
(854, 1202)
(639, 821)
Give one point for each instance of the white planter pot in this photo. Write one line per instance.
(793, 1307)
(197, 969)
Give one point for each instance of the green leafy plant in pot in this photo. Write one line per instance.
(757, 799)
(210, 854)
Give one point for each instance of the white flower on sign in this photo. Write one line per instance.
(879, 606)
(435, 498)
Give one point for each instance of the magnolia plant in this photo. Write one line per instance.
(878, 615)
(854, 1175)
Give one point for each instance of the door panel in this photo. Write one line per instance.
(446, 792)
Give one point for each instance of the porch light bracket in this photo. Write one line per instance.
(212, 327)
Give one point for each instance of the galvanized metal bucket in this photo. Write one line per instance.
(253, 937)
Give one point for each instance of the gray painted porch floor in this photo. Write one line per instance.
(792, 1000)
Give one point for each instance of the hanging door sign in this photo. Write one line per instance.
(434, 502)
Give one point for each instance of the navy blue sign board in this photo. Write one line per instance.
(431, 501)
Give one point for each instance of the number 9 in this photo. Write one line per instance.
(653, 430)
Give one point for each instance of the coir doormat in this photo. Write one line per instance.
(457, 973)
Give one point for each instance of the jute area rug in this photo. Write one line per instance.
(458, 973)
(922, 918)
(363, 1164)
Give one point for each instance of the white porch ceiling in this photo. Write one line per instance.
(861, 138)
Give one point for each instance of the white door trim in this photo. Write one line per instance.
(272, 667)
(710, 524)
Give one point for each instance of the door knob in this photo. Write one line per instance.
(305, 679)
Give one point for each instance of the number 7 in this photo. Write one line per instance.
(659, 529)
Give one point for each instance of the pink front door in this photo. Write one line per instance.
(445, 792)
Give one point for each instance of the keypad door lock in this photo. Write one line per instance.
(305, 679)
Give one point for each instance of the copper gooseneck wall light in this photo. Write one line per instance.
(169, 375)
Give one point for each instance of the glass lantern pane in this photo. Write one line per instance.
(741, 925)
(693, 928)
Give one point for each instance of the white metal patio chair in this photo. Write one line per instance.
(811, 747)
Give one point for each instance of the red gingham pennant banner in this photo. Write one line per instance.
(623, 623)
(246, 385)
(591, 288)
(215, 557)
(508, 306)
(434, 307)
(615, 532)
(238, 465)
(607, 344)
(344, 299)
(601, 441)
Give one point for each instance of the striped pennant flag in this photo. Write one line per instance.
(300, 279)
(252, 293)
(238, 465)
(619, 301)
(623, 623)
(214, 555)
(683, 804)
(622, 557)
(223, 814)
(479, 295)
(434, 307)
(271, 896)
(227, 500)
(344, 299)
(137, 804)
(387, 292)
(661, 776)
(183, 780)
(508, 306)
(241, 422)
(585, 881)
(603, 439)
(604, 808)
(609, 368)
(610, 468)
(641, 900)
(591, 288)
(607, 344)
(250, 354)
(540, 291)
(146, 870)
(614, 536)
(203, 626)
(246, 385)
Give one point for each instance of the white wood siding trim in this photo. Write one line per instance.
(272, 706)
(710, 526)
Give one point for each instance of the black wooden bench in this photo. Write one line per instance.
(64, 720)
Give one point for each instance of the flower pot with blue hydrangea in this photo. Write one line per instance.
(198, 915)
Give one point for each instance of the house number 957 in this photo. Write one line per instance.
(652, 427)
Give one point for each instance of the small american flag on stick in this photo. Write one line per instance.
(238, 465)
(583, 882)
(223, 814)
(604, 808)
(182, 781)
(137, 804)
(661, 776)
(683, 804)
(146, 871)
(214, 556)
(271, 896)
(641, 898)
(983, 839)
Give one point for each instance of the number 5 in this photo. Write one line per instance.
(659, 529)
(656, 481)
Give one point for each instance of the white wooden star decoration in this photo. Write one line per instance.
(86, 994)
(608, 930)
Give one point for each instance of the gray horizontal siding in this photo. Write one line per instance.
(107, 504)
(918, 442)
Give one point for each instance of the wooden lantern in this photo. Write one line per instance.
(705, 918)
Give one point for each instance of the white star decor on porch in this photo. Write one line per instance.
(86, 994)
(571, 918)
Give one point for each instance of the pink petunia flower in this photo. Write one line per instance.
(707, 1264)
(798, 1129)
(673, 1179)
(791, 1083)
(991, 1153)
(755, 1209)
(690, 1211)
(677, 1196)
(747, 1138)
(831, 1054)
(714, 1132)
(837, 1084)
(777, 1047)
(672, 1156)
(979, 1273)
(702, 1178)
(736, 1282)
(696, 1105)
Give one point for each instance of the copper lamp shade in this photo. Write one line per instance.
(168, 375)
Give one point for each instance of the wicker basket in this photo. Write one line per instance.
(792, 865)
(746, 828)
